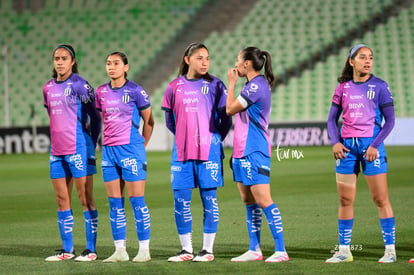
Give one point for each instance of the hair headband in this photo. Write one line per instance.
(356, 48)
(66, 48)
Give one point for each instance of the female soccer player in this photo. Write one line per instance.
(364, 101)
(194, 105)
(69, 100)
(124, 163)
(252, 150)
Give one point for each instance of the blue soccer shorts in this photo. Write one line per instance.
(128, 162)
(252, 169)
(197, 173)
(75, 165)
(354, 159)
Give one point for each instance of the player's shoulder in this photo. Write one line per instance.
(79, 81)
(77, 78)
(133, 86)
(379, 81)
(258, 83)
(181, 80)
(103, 87)
(48, 84)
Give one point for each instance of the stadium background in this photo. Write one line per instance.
(308, 40)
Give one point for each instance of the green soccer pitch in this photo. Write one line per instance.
(303, 187)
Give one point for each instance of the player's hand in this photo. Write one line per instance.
(339, 151)
(371, 154)
(232, 75)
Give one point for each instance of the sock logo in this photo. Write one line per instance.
(146, 220)
(277, 220)
(67, 224)
(120, 219)
(256, 220)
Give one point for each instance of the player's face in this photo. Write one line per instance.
(63, 62)
(241, 65)
(198, 63)
(115, 67)
(362, 63)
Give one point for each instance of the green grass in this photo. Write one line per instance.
(304, 189)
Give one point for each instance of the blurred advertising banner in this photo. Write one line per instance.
(26, 140)
(293, 134)
(30, 140)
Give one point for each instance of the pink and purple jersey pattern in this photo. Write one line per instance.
(121, 108)
(64, 101)
(250, 125)
(361, 105)
(195, 104)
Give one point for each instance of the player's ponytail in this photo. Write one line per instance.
(268, 68)
(259, 59)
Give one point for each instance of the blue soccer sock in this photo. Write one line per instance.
(388, 230)
(117, 218)
(91, 229)
(254, 224)
(274, 220)
(345, 232)
(65, 223)
(182, 211)
(142, 218)
(211, 210)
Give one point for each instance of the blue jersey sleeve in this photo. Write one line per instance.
(142, 99)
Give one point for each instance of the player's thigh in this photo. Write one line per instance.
(182, 174)
(209, 174)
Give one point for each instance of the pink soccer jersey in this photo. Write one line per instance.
(361, 104)
(63, 100)
(251, 125)
(120, 108)
(194, 103)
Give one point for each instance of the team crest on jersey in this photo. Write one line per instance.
(205, 89)
(68, 90)
(370, 93)
(125, 98)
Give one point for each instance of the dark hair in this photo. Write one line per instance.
(348, 71)
(70, 49)
(259, 59)
(123, 57)
(189, 51)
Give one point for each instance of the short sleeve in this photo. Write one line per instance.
(85, 92)
(97, 100)
(385, 97)
(45, 96)
(250, 92)
(337, 97)
(143, 100)
(222, 95)
(167, 100)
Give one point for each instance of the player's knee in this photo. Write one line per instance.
(346, 200)
(381, 201)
